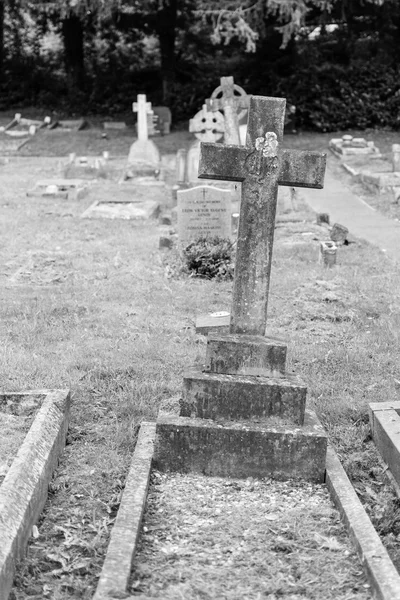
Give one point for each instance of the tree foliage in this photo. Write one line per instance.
(325, 56)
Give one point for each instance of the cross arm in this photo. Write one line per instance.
(221, 162)
(301, 168)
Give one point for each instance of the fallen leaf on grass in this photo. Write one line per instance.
(272, 517)
(331, 543)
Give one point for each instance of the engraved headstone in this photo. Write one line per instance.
(204, 211)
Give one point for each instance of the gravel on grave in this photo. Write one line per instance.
(213, 538)
(13, 430)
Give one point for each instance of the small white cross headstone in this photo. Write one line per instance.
(143, 150)
(143, 108)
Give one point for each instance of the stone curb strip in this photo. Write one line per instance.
(114, 577)
(382, 574)
(23, 492)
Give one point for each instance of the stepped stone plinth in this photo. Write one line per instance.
(242, 449)
(246, 355)
(237, 397)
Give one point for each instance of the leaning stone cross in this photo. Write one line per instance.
(142, 108)
(223, 98)
(261, 166)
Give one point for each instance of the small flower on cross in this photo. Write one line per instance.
(268, 145)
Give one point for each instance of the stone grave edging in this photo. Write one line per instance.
(114, 577)
(381, 572)
(23, 492)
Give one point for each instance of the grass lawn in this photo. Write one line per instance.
(87, 304)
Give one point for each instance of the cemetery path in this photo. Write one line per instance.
(348, 209)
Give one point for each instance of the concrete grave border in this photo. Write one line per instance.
(381, 572)
(384, 418)
(152, 212)
(115, 574)
(23, 492)
(114, 579)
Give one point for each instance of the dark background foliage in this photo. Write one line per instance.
(94, 57)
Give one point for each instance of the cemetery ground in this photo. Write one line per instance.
(91, 305)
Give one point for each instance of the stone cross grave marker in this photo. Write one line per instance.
(261, 167)
(204, 211)
(224, 98)
(143, 150)
(241, 414)
(143, 108)
(207, 126)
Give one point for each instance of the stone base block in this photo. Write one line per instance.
(221, 396)
(218, 322)
(381, 180)
(241, 450)
(245, 355)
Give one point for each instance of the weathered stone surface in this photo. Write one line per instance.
(339, 234)
(143, 109)
(24, 490)
(142, 153)
(349, 146)
(114, 577)
(322, 219)
(118, 125)
(166, 242)
(207, 126)
(396, 157)
(382, 574)
(181, 159)
(381, 180)
(204, 211)
(221, 396)
(224, 98)
(237, 449)
(261, 168)
(148, 209)
(328, 253)
(385, 428)
(164, 118)
(218, 322)
(245, 355)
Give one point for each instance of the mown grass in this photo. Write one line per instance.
(101, 317)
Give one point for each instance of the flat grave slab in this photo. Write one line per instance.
(124, 201)
(9, 146)
(115, 209)
(67, 189)
(69, 125)
(87, 167)
(115, 125)
(27, 467)
(348, 145)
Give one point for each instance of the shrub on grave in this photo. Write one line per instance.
(210, 258)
